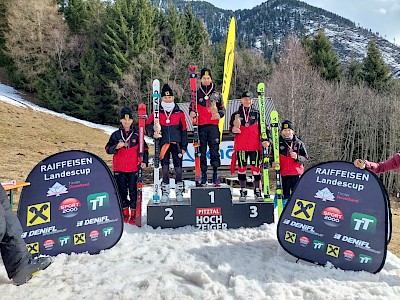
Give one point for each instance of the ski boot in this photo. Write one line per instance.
(203, 179)
(216, 180)
(165, 192)
(132, 219)
(243, 195)
(25, 273)
(126, 214)
(257, 195)
(180, 186)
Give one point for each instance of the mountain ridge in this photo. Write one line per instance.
(266, 26)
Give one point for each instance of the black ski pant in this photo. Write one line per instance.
(177, 156)
(288, 184)
(209, 135)
(126, 182)
(12, 247)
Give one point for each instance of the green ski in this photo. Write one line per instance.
(275, 141)
(263, 126)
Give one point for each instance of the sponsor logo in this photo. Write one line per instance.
(364, 259)
(33, 248)
(363, 223)
(332, 216)
(56, 190)
(304, 241)
(97, 221)
(99, 201)
(94, 235)
(318, 245)
(333, 250)
(38, 214)
(346, 197)
(212, 211)
(79, 238)
(49, 244)
(325, 195)
(77, 184)
(209, 218)
(69, 207)
(42, 231)
(64, 240)
(304, 227)
(290, 237)
(348, 255)
(303, 209)
(108, 231)
(356, 242)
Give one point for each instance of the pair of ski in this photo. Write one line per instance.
(265, 155)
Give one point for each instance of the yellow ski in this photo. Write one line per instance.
(228, 68)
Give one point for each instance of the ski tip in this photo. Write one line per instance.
(142, 109)
(192, 67)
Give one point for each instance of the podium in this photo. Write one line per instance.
(209, 208)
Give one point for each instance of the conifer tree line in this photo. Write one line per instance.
(89, 58)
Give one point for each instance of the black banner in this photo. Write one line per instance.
(71, 205)
(210, 208)
(338, 214)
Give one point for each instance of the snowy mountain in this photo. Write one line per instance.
(267, 25)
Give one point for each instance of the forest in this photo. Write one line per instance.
(89, 58)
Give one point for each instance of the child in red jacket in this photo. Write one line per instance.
(124, 145)
(173, 141)
(245, 124)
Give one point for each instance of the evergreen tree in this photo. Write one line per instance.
(77, 15)
(354, 71)
(322, 56)
(4, 59)
(374, 71)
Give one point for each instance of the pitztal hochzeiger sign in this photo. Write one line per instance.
(338, 214)
(71, 206)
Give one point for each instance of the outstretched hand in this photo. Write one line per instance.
(359, 163)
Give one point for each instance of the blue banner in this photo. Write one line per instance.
(71, 205)
(338, 214)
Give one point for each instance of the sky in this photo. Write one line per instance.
(381, 16)
(186, 263)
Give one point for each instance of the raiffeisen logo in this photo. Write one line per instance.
(49, 244)
(332, 216)
(33, 248)
(94, 235)
(69, 207)
(363, 223)
(303, 209)
(38, 214)
(99, 201)
(56, 190)
(348, 255)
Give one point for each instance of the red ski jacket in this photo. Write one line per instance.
(204, 105)
(126, 159)
(249, 139)
(173, 132)
(288, 165)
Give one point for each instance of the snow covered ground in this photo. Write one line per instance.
(186, 263)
